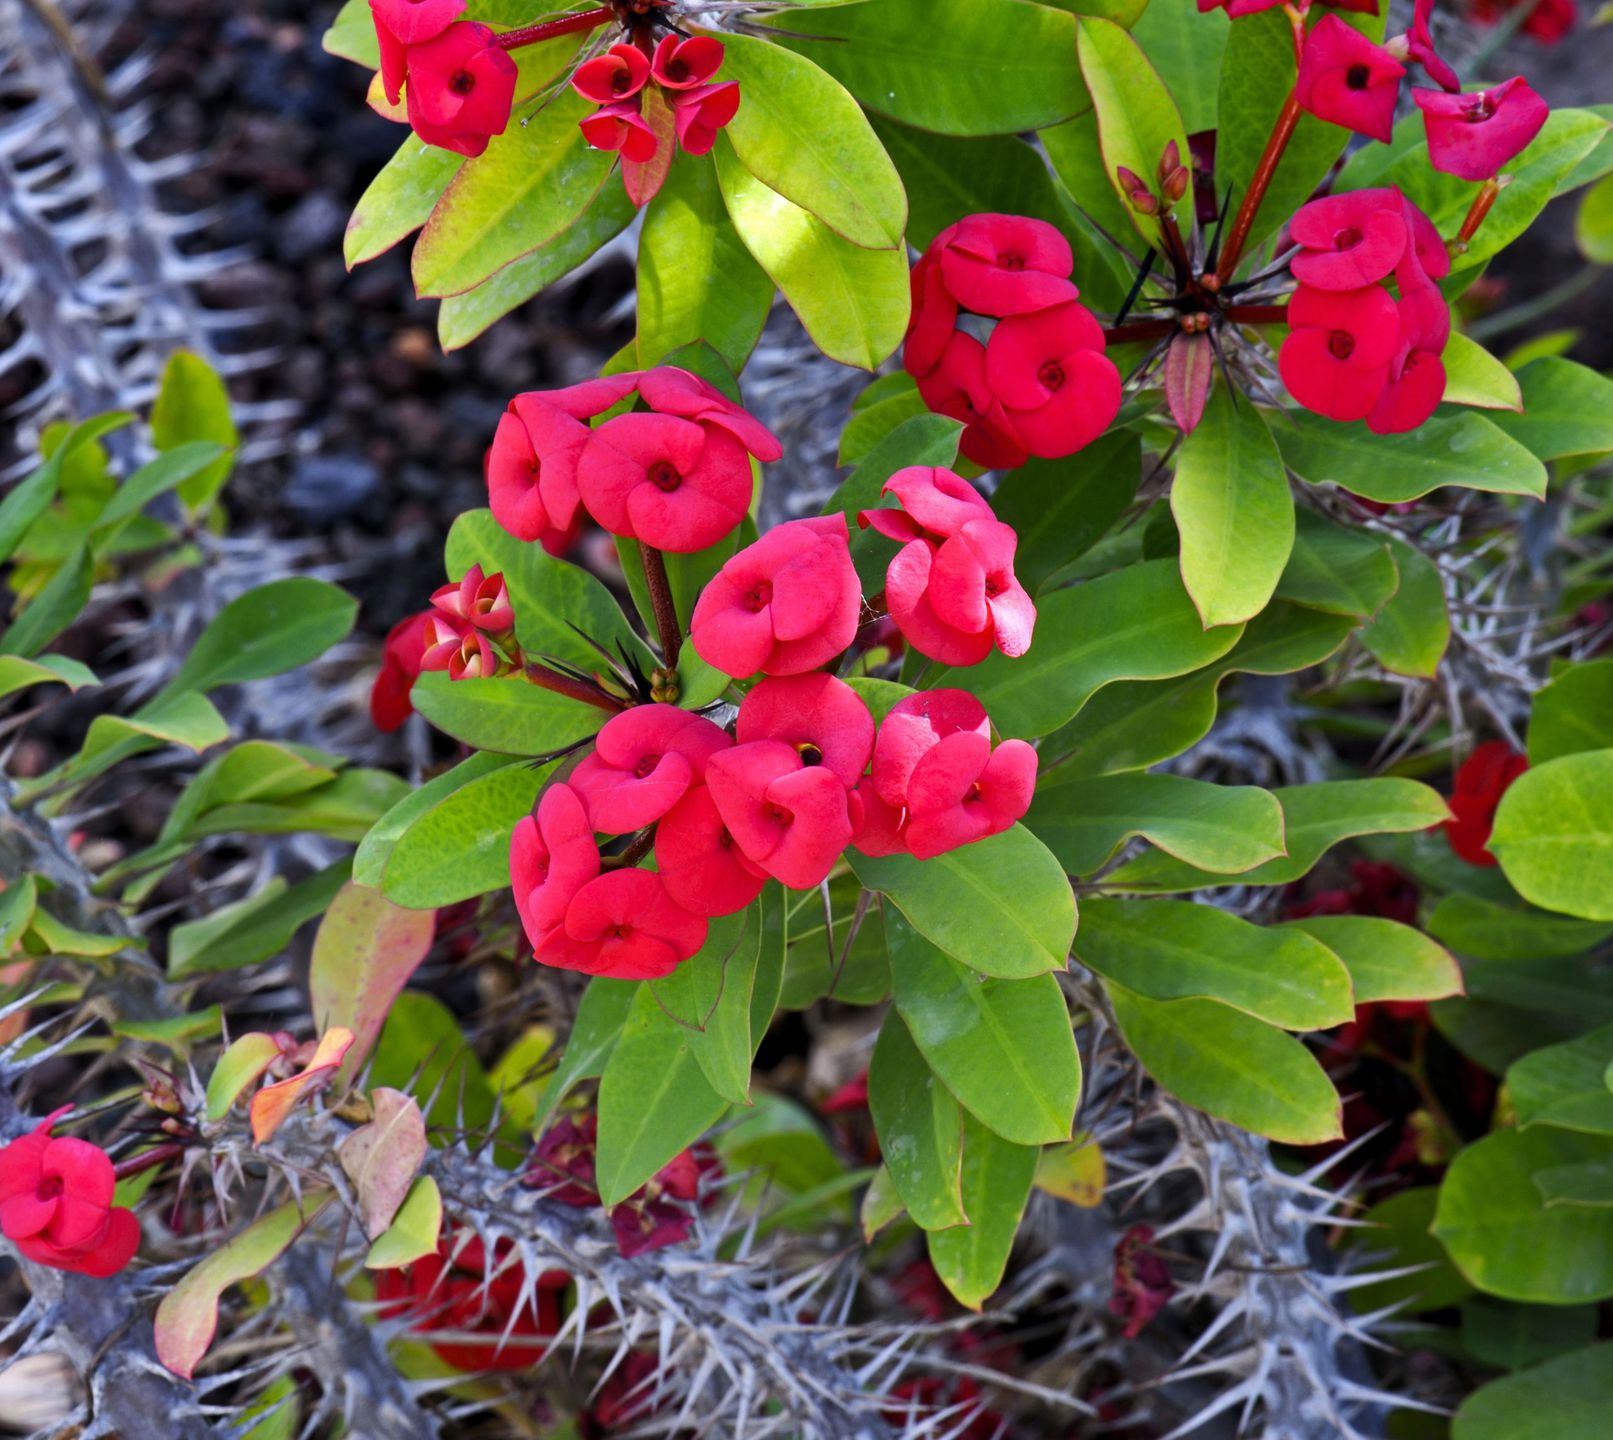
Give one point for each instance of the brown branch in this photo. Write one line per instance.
(666, 613)
(1259, 183)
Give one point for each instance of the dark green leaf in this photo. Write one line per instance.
(920, 1129)
(267, 631)
(997, 1179)
(1565, 1399)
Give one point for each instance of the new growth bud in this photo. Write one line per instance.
(1138, 195)
(1173, 175)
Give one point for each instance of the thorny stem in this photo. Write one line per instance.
(666, 613)
(1270, 157)
(548, 29)
(547, 679)
(148, 1159)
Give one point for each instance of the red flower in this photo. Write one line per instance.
(1005, 264)
(700, 113)
(789, 818)
(1237, 8)
(1349, 240)
(643, 761)
(913, 727)
(670, 391)
(1549, 21)
(402, 23)
(1347, 80)
(457, 1290)
(700, 861)
(884, 827)
(56, 1204)
(1480, 783)
(1335, 360)
(1420, 46)
(851, 1096)
(401, 658)
(1472, 136)
(552, 856)
(683, 64)
(458, 647)
(935, 505)
(562, 1165)
(823, 719)
(620, 127)
(629, 1393)
(1416, 386)
(461, 87)
(784, 605)
(619, 74)
(1377, 889)
(483, 602)
(1057, 387)
(956, 387)
(934, 314)
(1143, 1284)
(623, 925)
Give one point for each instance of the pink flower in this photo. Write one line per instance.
(624, 925)
(458, 647)
(620, 127)
(933, 318)
(1424, 247)
(823, 719)
(643, 761)
(553, 854)
(1350, 240)
(1473, 136)
(56, 1204)
(683, 64)
(1005, 264)
(1484, 777)
(1347, 80)
(619, 74)
(402, 23)
(1057, 387)
(477, 600)
(912, 728)
(884, 827)
(1420, 46)
(461, 88)
(401, 658)
(956, 387)
(789, 818)
(700, 861)
(935, 504)
(1336, 358)
(1142, 1282)
(785, 605)
(670, 391)
(700, 113)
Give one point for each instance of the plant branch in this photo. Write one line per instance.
(1259, 183)
(1139, 330)
(543, 676)
(666, 613)
(548, 29)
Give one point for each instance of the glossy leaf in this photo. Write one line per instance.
(920, 1129)
(240, 1066)
(1412, 628)
(1386, 960)
(1485, 930)
(1567, 410)
(506, 715)
(601, 1014)
(1573, 712)
(399, 200)
(375, 850)
(709, 996)
(192, 407)
(254, 929)
(1554, 834)
(267, 631)
(26, 501)
(1473, 376)
(1395, 1237)
(1567, 1398)
(997, 1179)
(1566, 1085)
(1337, 569)
(59, 602)
(16, 673)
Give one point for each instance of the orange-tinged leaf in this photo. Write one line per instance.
(238, 1067)
(273, 1103)
(381, 1158)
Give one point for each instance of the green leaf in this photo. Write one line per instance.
(1466, 449)
(1554, 834)
(1573, 713)
(1009, 67)
(460, 847)
(254, 929)
(1510, 1336)
(370, 860)
(414, 1231)
(696, 281)
(188, 1315)
(1004, 1048)
(1394, 1237)
(531, 184)
(920, 1129)
(422, 1050)
(1593, 227)
(399, 200)
(239, 1067)
(1565, 1399)
(57, 605)
(267, 631)
(1084, 820)
(813, 968)
(1134, 624)
(351, 35)
(506, 714)
(17, 904)
(601, 1014)
(880, 1205)
(1333, 568)
(1386, 960)
(710, 996)
(1316, 817)
(1506, 1239)
(175, 468)
(1177, 950)
(1412, 628)
(1567, 410)
(1183, 43)
(17, 673)
(192, 406)
(1485, 930)
(853, 302)
(185, 719)
(343, 809)
(1566, 1085)
(654, 1100)
(867, 427)
(364, 953)
(997, 1179)
(1586, 1185)
(1002, 906)
(1137, 119)
(806, 139)
(1231, 1065)
(1473, 376)
(1233, 511)
(782, 1141)
(463, 317)
(31, 497)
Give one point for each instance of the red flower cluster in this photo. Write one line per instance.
(457, 1290)
(656, 1215)
(675, 474)
(1481, 781)
(1041, 385)
(951, 588)
(464, 619)
(56, 1204)
(687, 104)
(460, 82)
(1354, 351)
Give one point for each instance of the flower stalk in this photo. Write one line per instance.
(549, 29)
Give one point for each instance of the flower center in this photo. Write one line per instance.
(1478, 108)
(1357, 76)
(646, 765)
(1341, 344)
(778, 815)
(462, 82)
(1010, 261)
(620, 81)
(50, 1187)
(809, 753)
(1051, 374)
(623, 931)
(664, 476)
(1347, 239)
(995, 585)
(759, 597)
(677, 70)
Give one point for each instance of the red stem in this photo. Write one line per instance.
(666, 613)
(548, 29)
(1257, 314)
(1139, 330)
(148, 1160)
(1270, 157)
(542, 675)
(1475, 215)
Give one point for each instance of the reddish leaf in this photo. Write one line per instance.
(1189, 369)
(273, 1103)
(381, 1158)
(642, 180)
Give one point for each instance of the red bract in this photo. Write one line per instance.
(458, 1290)
(784, 605)
(1005, 264)
(56, 1204)
(562, 1164)
(912, 728)
(618, 74)
(670, 391)
(700, 861)
(1336, 358)
(823, 719)
(956, 387)
(478, 600)
(552, 856)
(402, 23)
(1420, 46)
(401, 658)
(1057, 387)
(623, 925)
(1347, 80)
(683, 64)
(643, 761)
(1480, 783)
(620, 127)
(700, 113)
(1143, 1284)
(1472, 136)
(789, 818)
(461, 87)
(933, 319)
(458, 647)
(1237, 8)
(1416, 386)
(1349, 240)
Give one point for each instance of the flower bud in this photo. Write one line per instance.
(1138, 195)
(664, 688)
(1174, 185)
(1169, 162)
